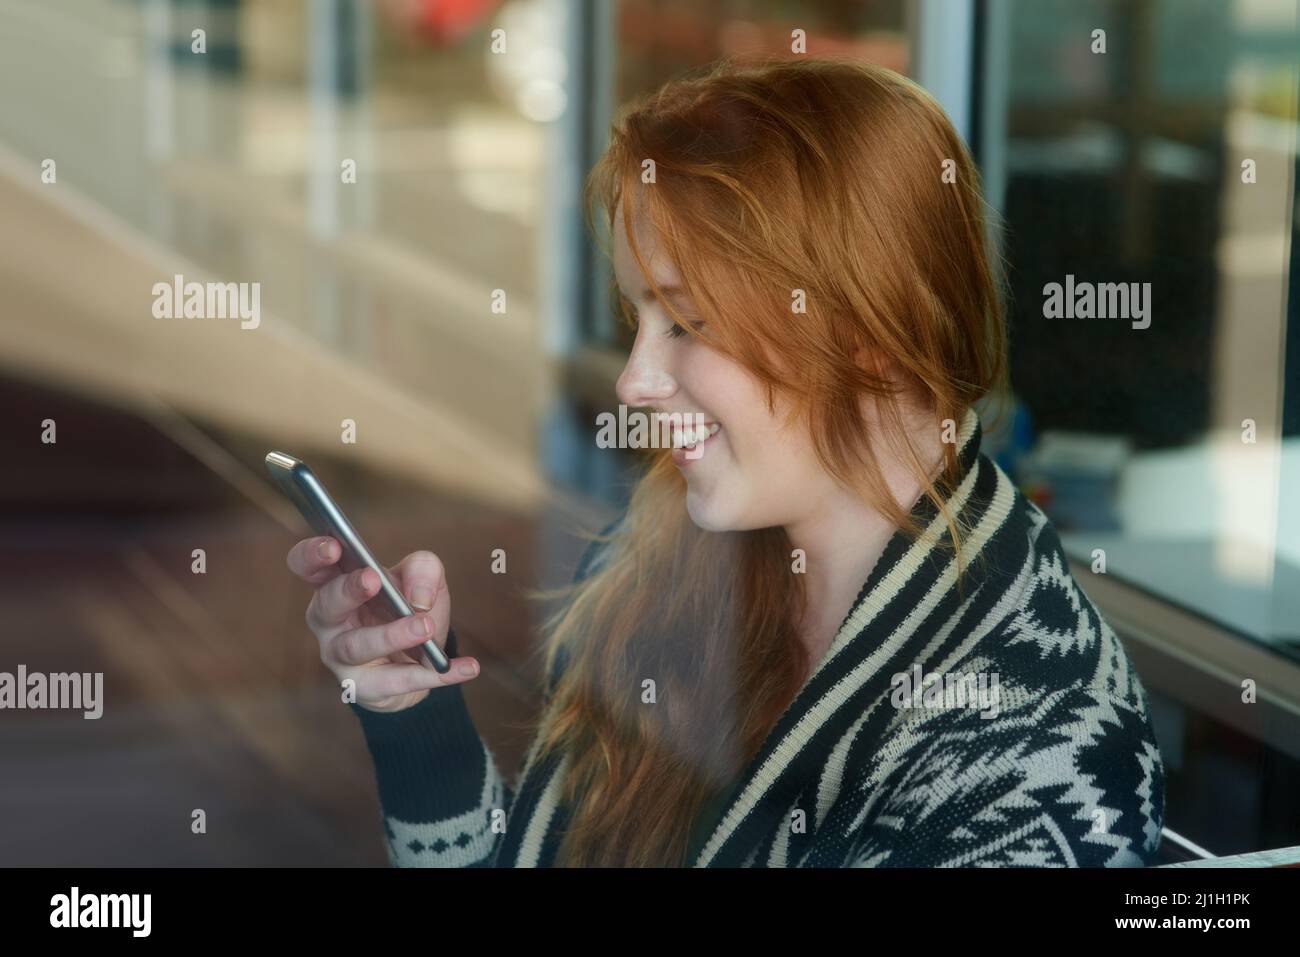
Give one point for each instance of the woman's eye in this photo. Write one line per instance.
(677, 331)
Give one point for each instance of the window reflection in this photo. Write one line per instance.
(1166, 159)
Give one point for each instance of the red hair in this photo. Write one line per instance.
(814, 174)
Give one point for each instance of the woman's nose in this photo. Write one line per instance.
(644, 380)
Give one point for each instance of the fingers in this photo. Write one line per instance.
(358, 646)
(386, 681)
(314, 560)
(422, 579)
(339, 597)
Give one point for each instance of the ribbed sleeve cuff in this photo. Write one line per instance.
(429, 758)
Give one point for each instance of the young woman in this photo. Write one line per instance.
(828, 630)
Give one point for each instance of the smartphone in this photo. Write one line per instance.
(301, 486)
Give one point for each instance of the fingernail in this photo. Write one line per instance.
(422, 597)
(421, 626)
(468, 669)
(326, 550)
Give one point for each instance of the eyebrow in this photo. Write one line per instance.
(674, 292)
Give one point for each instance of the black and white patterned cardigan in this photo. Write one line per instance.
(1050, 762)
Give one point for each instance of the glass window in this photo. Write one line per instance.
(1143, 156)
(1148, 157)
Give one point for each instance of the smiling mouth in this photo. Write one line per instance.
(690, 437)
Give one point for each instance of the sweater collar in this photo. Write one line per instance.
(901, 552)
(890, 619)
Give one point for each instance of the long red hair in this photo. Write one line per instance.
(841, 179)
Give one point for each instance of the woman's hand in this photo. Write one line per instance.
(382, 657)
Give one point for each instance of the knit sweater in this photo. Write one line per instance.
(891, 753)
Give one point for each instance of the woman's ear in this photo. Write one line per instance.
(874, 361)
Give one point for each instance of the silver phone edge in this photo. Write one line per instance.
(305, 479)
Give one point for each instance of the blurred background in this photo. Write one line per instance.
(450, 303)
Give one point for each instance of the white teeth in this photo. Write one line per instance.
(689, 437)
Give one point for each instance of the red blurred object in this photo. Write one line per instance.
(445, 22)
(1038, 492)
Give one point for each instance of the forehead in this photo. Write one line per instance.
(656, 258)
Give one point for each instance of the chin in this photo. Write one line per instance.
(713, 513)
(704, 514)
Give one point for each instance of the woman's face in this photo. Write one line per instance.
(754, 471)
